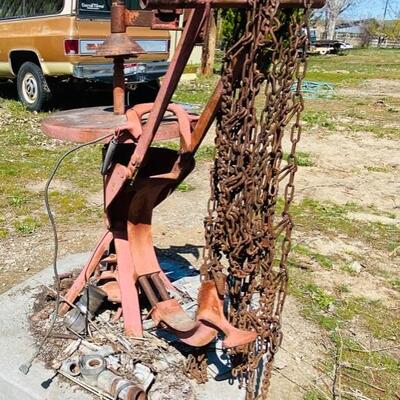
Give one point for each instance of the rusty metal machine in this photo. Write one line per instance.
(248, 227)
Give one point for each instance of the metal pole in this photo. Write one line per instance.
(385, 11)
(118, 26)
(380, 39)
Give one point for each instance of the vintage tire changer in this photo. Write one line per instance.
(138, 177)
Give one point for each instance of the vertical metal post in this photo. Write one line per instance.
(118, 26)
(119, 86)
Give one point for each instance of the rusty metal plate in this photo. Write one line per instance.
(86, 124)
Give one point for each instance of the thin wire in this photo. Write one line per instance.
(24, 368)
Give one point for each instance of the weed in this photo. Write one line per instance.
(383, 168)
(396, 284)
(17, 200)
(319, 297)
(185, 187)
(319, 118)
(312, 395)
(347, 268)
(342, 289)
(302, 159)
(27, 225)
(323, 261)
(205, 153)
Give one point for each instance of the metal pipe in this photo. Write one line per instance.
(118, 24)
(160, 286)
(177, 4)
(119, 86)
(148, 290)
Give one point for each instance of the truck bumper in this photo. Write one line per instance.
(134, 72)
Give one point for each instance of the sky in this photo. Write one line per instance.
(373, 9)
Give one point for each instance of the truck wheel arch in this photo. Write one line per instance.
(19, 56)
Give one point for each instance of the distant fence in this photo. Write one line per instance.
(386, 44)
(355, 40)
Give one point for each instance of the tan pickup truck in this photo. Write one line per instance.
(45, 41)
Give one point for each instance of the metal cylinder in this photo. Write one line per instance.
(118, 387)
(91, 366)
(91, 300)
(94, 372)
(160, 286)
(119, 86)
(148, 290)
(118, 24)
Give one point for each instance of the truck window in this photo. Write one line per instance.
(29, 8)
(11, 8)
(101, 8)
(33, 8)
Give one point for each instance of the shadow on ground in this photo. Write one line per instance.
(68, 95)
(173, 262)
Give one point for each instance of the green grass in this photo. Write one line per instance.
(185, 187)
(324, 261)
(197, 91)
(303, 159)
(381, 168)
(332, 310)
(27, 225)
(204, 152)
(332, 220)
(313, 395)
(375, 129)
(395, 284)
(350, 116)
(319, 118)
(335, 313)
(355, 67)
(26, 159)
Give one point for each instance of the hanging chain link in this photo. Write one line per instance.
(248, 227)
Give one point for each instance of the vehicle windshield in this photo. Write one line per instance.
(101, 8)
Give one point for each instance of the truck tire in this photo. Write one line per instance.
(32, 87)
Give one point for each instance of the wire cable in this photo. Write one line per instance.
(24, 368)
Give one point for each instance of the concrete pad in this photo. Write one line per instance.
(17, 344)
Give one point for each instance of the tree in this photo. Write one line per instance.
(369, 29)
(390, 30)
(333, 9)
(210, 41)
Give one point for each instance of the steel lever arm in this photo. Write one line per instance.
(168, 86)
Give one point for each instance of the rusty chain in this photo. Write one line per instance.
(248, 227)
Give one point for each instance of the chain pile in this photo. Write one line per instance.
(248, 227)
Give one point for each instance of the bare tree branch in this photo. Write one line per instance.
(333, 9)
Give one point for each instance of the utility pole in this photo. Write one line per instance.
(385, 12)
(380, 39)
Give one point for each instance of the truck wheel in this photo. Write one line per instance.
(33, 90)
